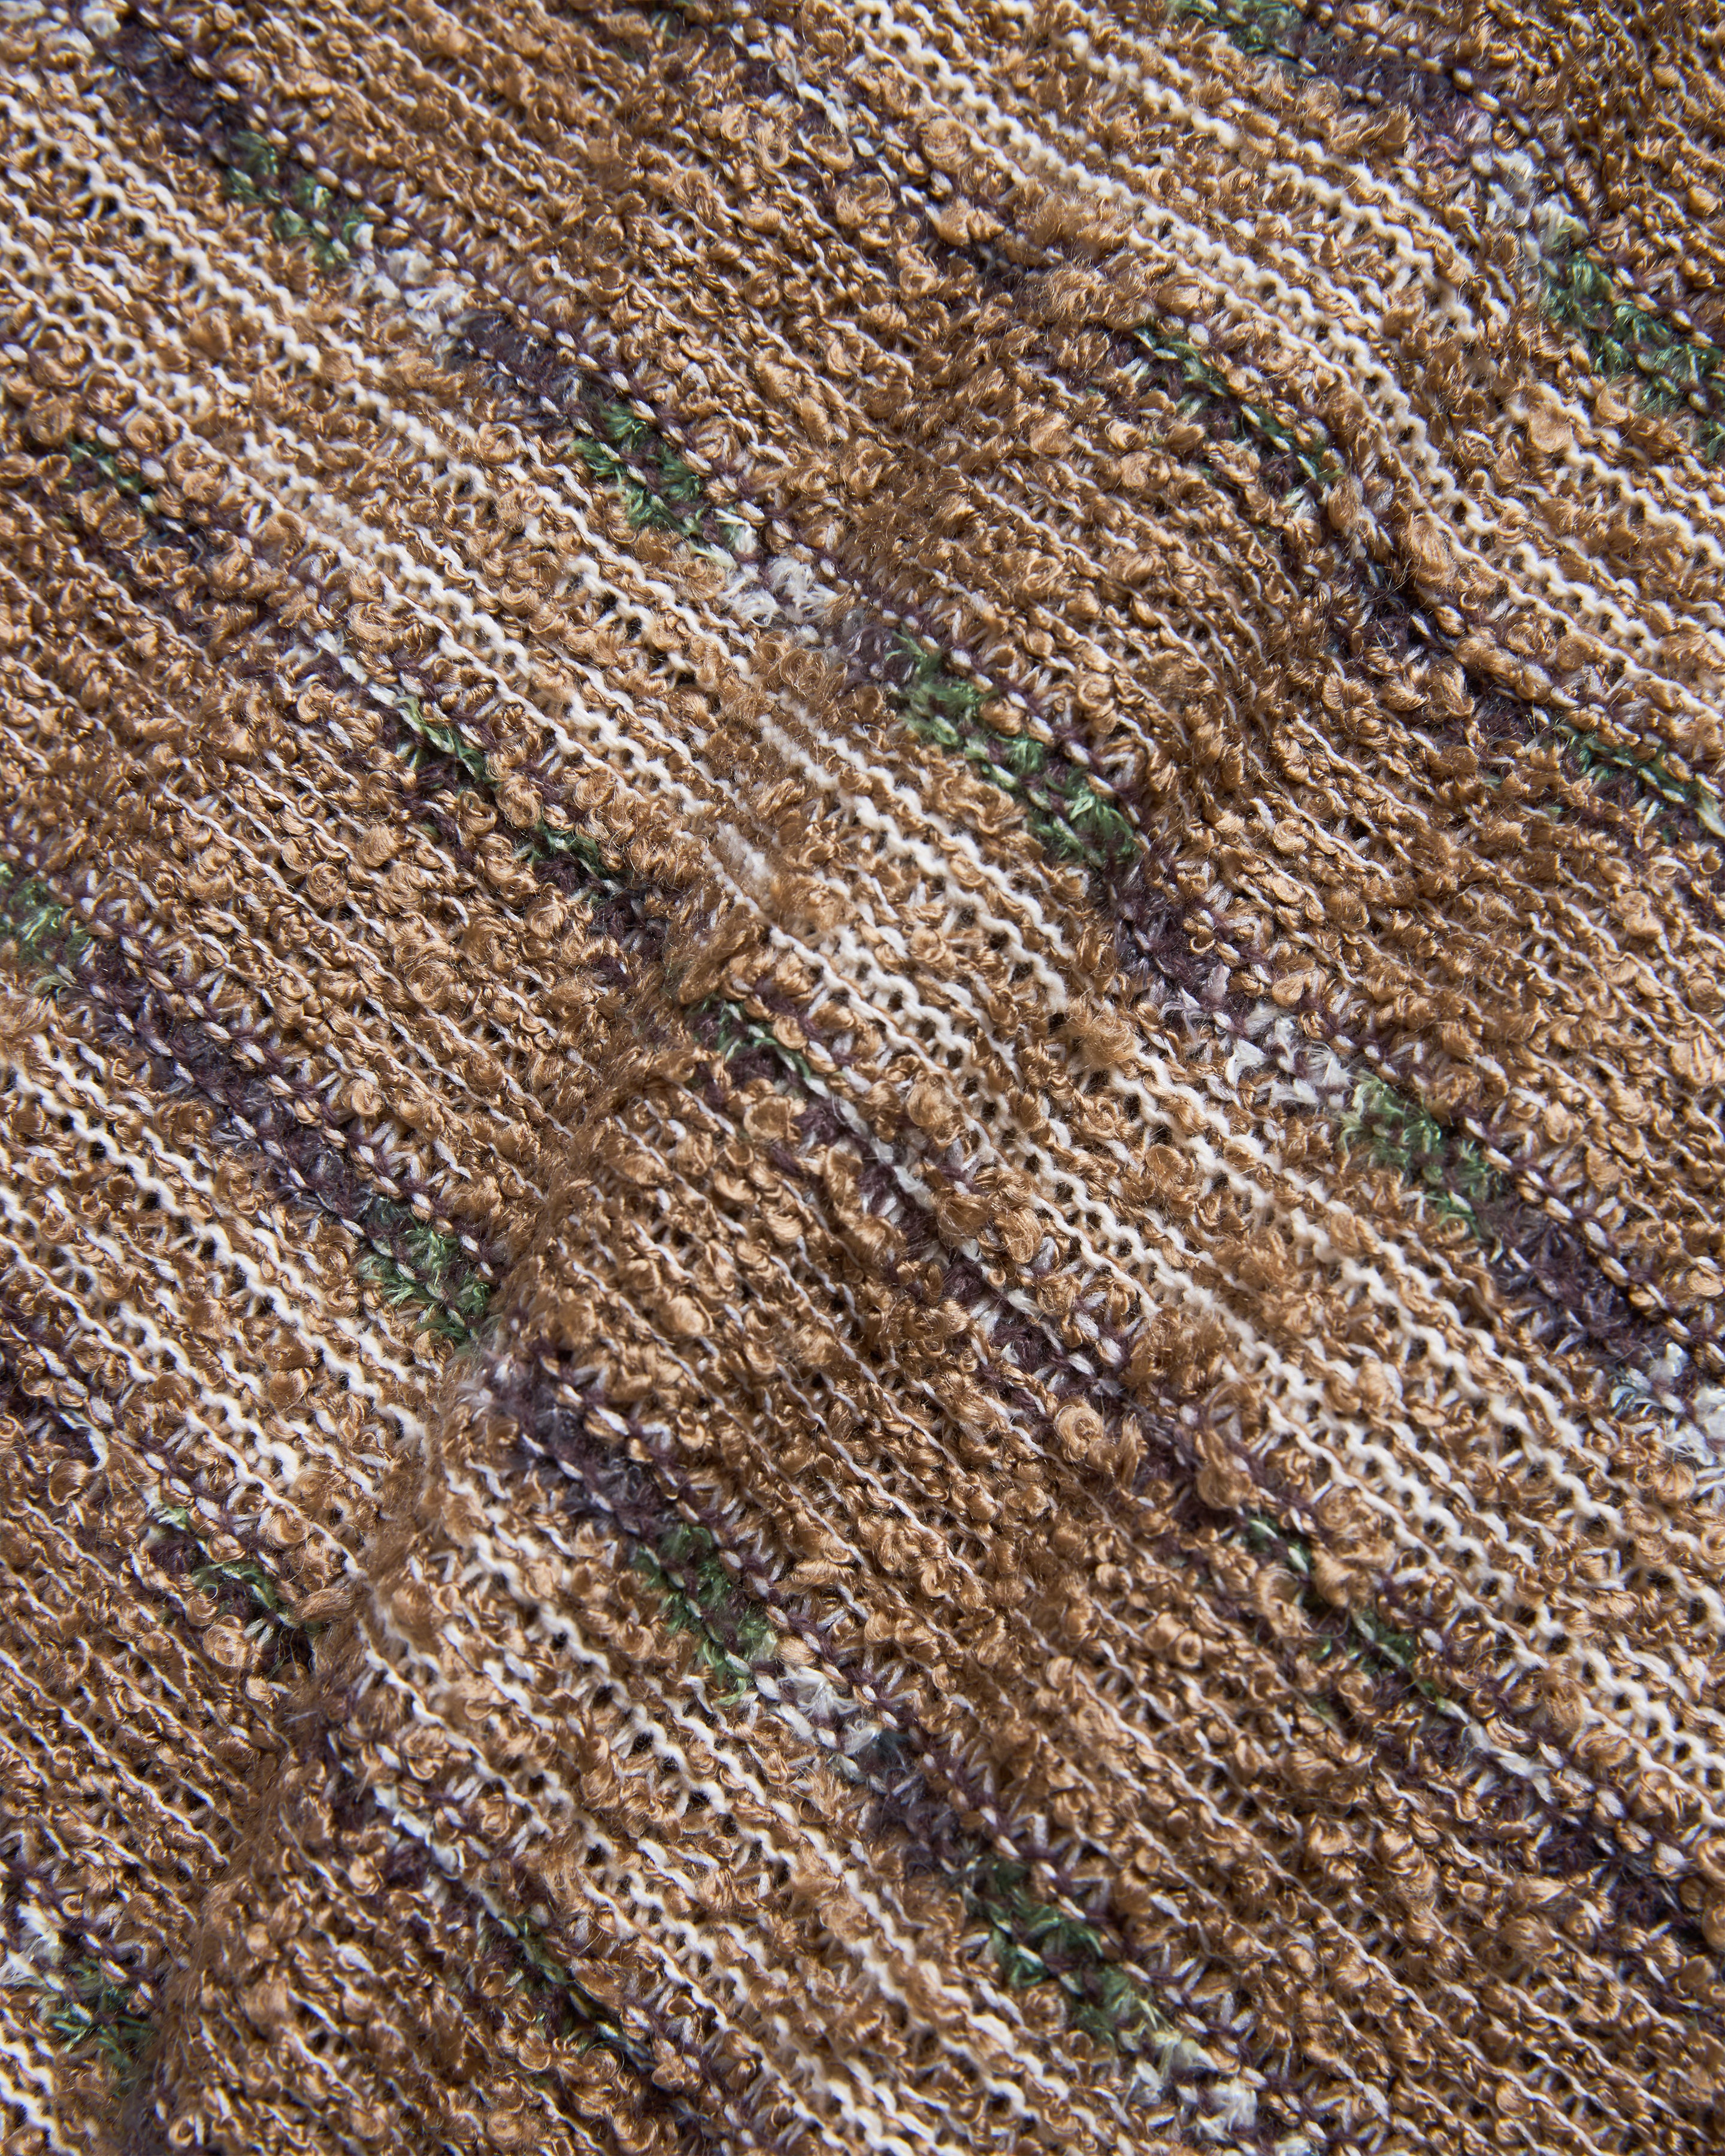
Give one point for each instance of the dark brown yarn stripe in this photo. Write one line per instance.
(1233, 1419)
(174, 1553)
(1527, 1251)
(630, 1479)
(1527, 1254)
(314, 1156)
(1402, 1613)
(628, 2035)
(1631, 1881)
(447, 751)
(1168, 1438)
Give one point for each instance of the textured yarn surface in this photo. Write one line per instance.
(860, 999)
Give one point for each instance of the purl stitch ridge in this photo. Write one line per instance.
(861, 905)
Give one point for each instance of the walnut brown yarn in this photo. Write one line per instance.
(863, 1017)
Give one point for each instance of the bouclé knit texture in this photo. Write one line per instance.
(862, 891)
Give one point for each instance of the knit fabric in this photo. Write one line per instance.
(860, 980)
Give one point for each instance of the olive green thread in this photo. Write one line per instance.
(47, 936)
(1372, 1644)
(693, 1584)
(1449, 1174)
(538, 1968)
(92, 2014)
(1593, 756)
(431, 1278)
(667, 495)
(1033, 1943)
(274, 1621)
(1208, 389)
(1063, 811)
(303, 208)
(542, 842)
(1256, 27)
(734, 1031)
(1621, 338)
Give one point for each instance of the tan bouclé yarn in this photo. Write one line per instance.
(861, 891)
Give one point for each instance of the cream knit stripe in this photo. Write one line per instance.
(1038, 528)
(335, 777)
(1091, 47)
(314, 2074)
(1194, 1795)
(1591, 922)
(354, 1912)
(1066, 1162)
(447, 1073)
(1280, 1376)
(1159, 75)
(1187, 1788)
(175, 1704)
(1235, 274)
(512, 997)
(247, 1243)
(121, 1857)
(505, 1549)
(834, 1674)
(744, 506)
(635, 1910)
(165, 212)
(1187, 117)
(1273, 1368)
(889, 962)
(1213, 2036)
(650, 769)
(156, 1717)
(1120, 1087)
(413, 1826)
(1139, 1733)
(226, 952)
(116, 1782)
(567, 1637)
(514, 1557)
(58, 1715)
(930, 1433)
(127, 1936)
(741, 1755)
(281, 1459)
(1596, 1095)
(450, 1859)
(863, 1420)
(933, 858)
(632, 1891)
(33, 2067)
(1223, 1128)
(904, 49)
(1626, 50)
(1525, 892)
(39, 1924)
(1557, 697)
(353, 557)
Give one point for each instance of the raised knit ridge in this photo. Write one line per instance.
(861, 886)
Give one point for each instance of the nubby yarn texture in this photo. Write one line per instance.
(862, 1036)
